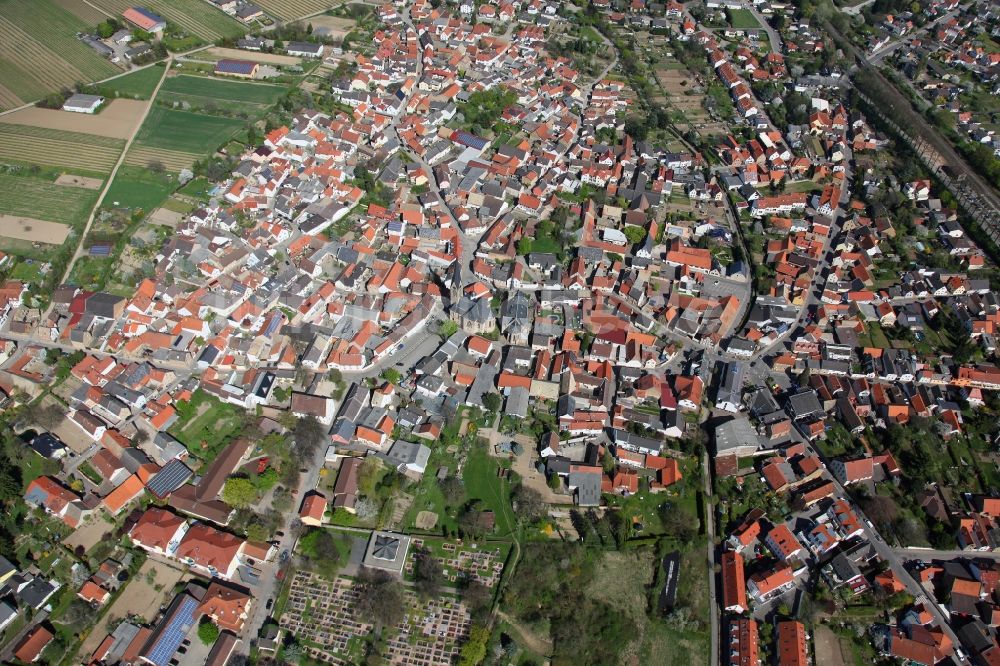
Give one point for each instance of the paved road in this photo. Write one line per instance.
(932, 554)
(715, 628)
(887, 552)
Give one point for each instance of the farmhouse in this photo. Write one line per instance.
(304, 49)
(243, 69)
(83, 103)
(144, 19)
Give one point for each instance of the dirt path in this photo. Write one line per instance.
(828, 647)
(528, 638)
(111, 176)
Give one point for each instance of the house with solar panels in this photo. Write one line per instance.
(171, 631)
(241, 69)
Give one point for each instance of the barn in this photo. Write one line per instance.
(144, 19)
(83, 103)
(244, 69)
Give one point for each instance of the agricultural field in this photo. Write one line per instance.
(117, 120)
(28, 196)
(198, 17)
(139, 84)
(200, 91)
(179, 138)
(40, 54)
(23, 144)
(82, 10)
(135, 187)
(288, 10)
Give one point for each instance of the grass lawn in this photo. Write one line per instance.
(427, 496)
(136, 187)
(588, 32)
(135, 85)
(206, 425)
(92, 272)
(742, 19)
(183, 131)
(482, 483)
(198, 188)
(27, 270)
(88, 471)
(644, 507)
(223, 90)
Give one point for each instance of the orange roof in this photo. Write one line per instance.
(33, 643)
(93, 593)
(792, 644)
(227, 606)
(734, 588)
(116, 500)
(313, 506)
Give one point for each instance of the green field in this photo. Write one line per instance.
(206, 425)
(743, 19)
(482, 483)
(137, 85)
(183, 131)
(135, 187)
(81, 153)
(221, 91)
(44, 200)
(40, 54)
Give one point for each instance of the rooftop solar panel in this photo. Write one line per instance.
(173, 634)
(169, 479)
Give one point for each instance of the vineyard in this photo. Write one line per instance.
(289, 10)
(40, 54)
(173, 160)
(58, 148)
(195, 16)
(44, 200)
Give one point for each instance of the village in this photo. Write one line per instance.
(474, 311)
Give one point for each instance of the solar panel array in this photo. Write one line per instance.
(173, 634)
(169, 479)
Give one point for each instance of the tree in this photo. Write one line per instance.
(366, 508)
(309, 435)
(477, 597)
(207, 631)
(392, 375)
(528, 504)
(883, 511)
(470, 522)
(46, 416)
(239, 492)
(427, 573)
(554, 482)
(447, 329)
(491, 401)
(453, 490)
(380, 597)
(678, 522)
(635, 234)
(474, 650)
(368, 475)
